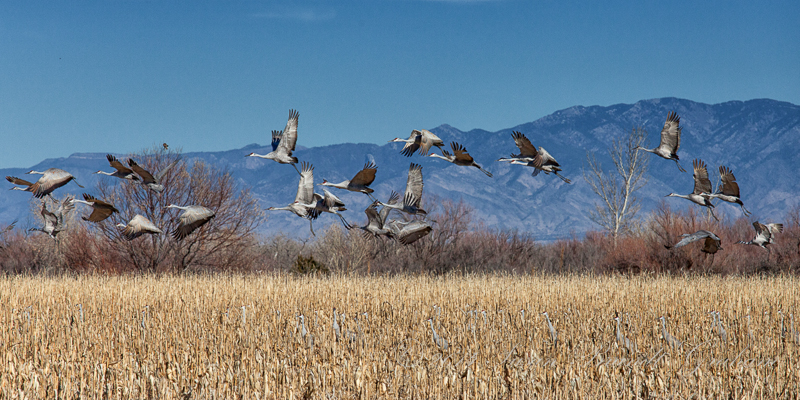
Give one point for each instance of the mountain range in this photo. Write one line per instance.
(758, 139)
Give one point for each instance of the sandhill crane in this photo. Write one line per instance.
(671, 341)
(716, 328)
(121, 171)
(621, 339)
(147, 179)
(711, 245)
(52, 179)
(360, 182)
(459, 157)
(670, 140)
(730, 189)
(795, 335)
(100, 209)
(702, 188)
(551, 329)
(438, 340)
(193, 217)
(337, 330)
(328, 203)
(539, 160)
(409, 232)
(138, 226)
(765, 235)
(420, 140)
(305, 195)
(377, 220)
(413, 193)
(20, 183)
(54, 221)
(308, 339)
(283, 143)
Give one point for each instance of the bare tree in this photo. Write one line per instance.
(617, 189)
(220, 244)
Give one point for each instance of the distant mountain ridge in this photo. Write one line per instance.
(759, 139)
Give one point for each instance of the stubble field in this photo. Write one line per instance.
(239, 337)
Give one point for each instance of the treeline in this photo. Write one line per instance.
(456, 244)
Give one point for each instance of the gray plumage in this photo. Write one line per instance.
(765, 235)
(52, 179)
(138, 226)
(54, 222)
(120, 170)
(360, 182)
(413, 194)
(305, 196)
(283, 143)
(670, 140)
(729, 189)
(671, 340)
(712, 242)
(100, 209)
(409, 232)
(420, 140)
(702, 188)
(192, 218)
(540, 160)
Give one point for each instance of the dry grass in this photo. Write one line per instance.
(189, 337)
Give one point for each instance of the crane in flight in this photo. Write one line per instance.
(120, 170)
(138, 226)
(377, 221)
(100, 209)
(540, 160)
(154, 183)
(413, 193)
(192, 218)
(702, 188)
(305, 196)
(711, 242)
(729, 189)
(283, 143)
(765, 235)
(360, 182)
(52, 179)
(460, 156)
(54, 220)
(670, 140)
(420, 140)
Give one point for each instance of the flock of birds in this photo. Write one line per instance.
(380, 222)
(54, 219)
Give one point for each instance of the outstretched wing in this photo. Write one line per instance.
(117, 165)
(526, 149)
(276, 139)
(385, 211)
(701, 182)
(146, 176)
(411, 147)
(18, 181)
(461, 153)
(100, 209)
(762, 230)
(689, 238)
(414, 183)
(163, 172)
(671, 134)
(729, 185)
(289, 135)
(192, 219)
(305, 188)
(544, 158)
(366, 176)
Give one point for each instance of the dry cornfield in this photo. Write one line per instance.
(239, 337)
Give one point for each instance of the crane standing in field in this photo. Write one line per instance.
(460, 157)
(100, 209)
(138, 226)
(52, 179)
(192, 218)
(702, 188)
(420, 140)
(551, 329)
(121, 171)
(438, 340)
(283, 143)
(621, 339)
(671, 340)
(360, 182)
(670, 140)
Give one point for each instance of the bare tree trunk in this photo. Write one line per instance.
(617, 189)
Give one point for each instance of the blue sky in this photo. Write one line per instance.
(119, 76)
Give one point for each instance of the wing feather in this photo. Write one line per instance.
(366, 176)
(701, 182)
